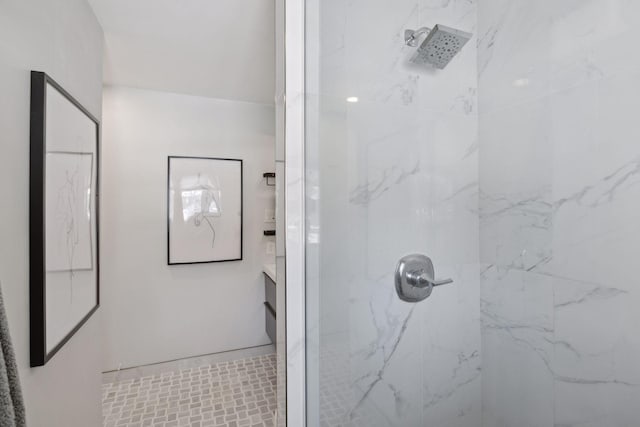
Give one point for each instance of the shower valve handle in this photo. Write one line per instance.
(414, 278)
(422, 279)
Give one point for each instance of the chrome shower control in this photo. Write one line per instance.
(411, 36)
(415, 278)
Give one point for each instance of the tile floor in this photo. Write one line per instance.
(232, 394)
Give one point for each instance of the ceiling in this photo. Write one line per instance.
(214, 48)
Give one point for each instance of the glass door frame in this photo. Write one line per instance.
(294, 191)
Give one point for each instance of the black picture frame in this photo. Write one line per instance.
(39, 355)
(240, 258)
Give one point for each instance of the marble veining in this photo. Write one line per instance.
(387, 354)
(522, 186)
(394, 175)
(386, 172)
(559, 177)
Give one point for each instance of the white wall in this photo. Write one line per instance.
(154, 312)
(63, 39)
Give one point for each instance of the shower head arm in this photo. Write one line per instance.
(411, 36)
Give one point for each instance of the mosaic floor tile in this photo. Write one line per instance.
(237, 393)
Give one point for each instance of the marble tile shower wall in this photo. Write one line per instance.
(393, 174)
(559, 98)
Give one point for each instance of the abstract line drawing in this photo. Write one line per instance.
(204, 210)
(68, 215)
(69, 243)
(202, 203)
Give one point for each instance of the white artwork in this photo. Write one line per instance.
(70, 269)
(204, 210)
(68, 177)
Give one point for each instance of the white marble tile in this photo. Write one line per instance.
(393, 174)
(515, 186)
(559, 202)
(385, 355)
(368, 58)
(411, 186)
(517, 348)
(544, 193)
(596, 377)
(531, 49)
(451, 351)
(596, 405)
(592, 343)
(595, 208)
(376, 59)
(514, 42)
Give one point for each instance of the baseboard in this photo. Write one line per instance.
(185, 363)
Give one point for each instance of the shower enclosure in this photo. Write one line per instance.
(515, 169)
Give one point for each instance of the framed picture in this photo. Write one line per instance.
(204, 210)
(63, 217)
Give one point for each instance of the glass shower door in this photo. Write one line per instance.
(525, 192)
(392, 170)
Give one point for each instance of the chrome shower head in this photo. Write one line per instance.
(439, 47)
